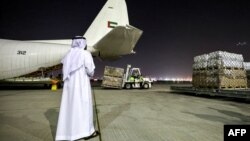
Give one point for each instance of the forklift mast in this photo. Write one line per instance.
(126, 75)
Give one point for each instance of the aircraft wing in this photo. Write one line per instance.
(119, 41)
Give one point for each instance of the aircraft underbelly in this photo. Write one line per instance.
(120, 41)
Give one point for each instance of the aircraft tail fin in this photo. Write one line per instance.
(114, 13)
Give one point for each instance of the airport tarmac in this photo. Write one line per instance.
(124, 115)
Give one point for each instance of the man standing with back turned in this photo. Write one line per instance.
(76, 112)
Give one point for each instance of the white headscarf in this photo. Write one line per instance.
(74, 59)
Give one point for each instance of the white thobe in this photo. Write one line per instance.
(76, 112)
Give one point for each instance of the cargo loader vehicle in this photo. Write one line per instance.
(130, 78)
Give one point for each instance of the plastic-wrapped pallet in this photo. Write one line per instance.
(201, 58)
(223, 63)
(199, 70)
(219, 69)
(225, 56)
(228, 69)
(200, 65)
(200, 62)
(212, 81)
(247, 66)
(199, 78)
(233, 74)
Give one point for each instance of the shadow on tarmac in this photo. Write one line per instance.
(239, 100)
(241, 119)
(52, 116)
(18, 123)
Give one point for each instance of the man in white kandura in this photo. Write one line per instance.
(76, 112)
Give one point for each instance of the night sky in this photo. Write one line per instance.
(174, 30)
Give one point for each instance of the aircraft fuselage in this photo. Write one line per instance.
(23, 57)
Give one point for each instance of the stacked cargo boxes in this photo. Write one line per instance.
(113, 77)
(227, 69)
(200, 71)
(220, 70)
(247, 68)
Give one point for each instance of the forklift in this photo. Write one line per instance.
(128, 78)
(134, 79)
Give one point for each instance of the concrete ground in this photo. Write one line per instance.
(124, 115)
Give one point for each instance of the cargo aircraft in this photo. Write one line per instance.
(108, 37)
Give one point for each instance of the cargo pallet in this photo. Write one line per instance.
(232, 93)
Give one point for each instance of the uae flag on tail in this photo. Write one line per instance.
(112, 24)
